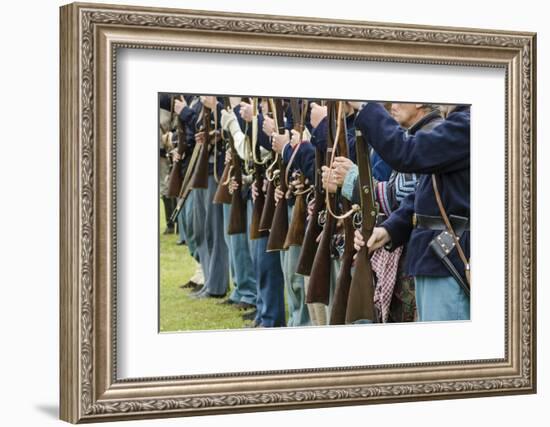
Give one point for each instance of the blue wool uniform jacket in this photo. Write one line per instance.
(304, 160)
(444, 151)
(189, 116)
(380, 170)
(391, 192)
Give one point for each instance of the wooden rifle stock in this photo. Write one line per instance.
(319, 280)
(296, 229)
(343, 281)
(269, 203)
(361, 294)
(200, 177)
(269, 207)
(237, 213)
(186, 183)
(176, 174)
(258, 207)
(222, 194)
(279, 226)
(310, 244)
(259, 170)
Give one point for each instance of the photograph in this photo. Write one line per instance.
(269, 211)
(291, 212)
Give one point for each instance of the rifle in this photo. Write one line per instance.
(269, 204)
(319, 280)
(237, 213)
(200, 177)
(343, 281)
(361, 293)
(259, 170)
(279, 226)
(222, 195)
(296, 229)
(185, 189)
(176, 175)
(314, 228)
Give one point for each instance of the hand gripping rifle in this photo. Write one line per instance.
(319, 279)
(361, 293)
(200, 177)
(176, 174)
(279, 226)
(237, 213)
(259, 171)
(343, 281)
(296, 229)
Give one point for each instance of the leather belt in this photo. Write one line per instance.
(459, 223)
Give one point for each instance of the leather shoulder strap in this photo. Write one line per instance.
(450, 227)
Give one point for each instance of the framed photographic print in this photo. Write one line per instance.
(269, 212)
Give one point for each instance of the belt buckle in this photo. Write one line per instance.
(414, 220)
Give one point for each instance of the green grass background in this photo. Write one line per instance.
(178, 312)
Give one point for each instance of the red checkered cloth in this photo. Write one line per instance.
(384, 264)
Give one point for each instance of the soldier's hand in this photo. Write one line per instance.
(209, 102)
(227, 118)
(318, 239)
(200, 137)
(279, 141)
(166, 140)
(341, 166)
(232, 186)
(268, 125)
(358, 240)
(318, 113)
(246, 111)
(310, 207)
(355, 104)
(175, 155)
(379, 238)
(295, 137)
(331, 186)
(296, 183)
(179, 106)
(254, 191)
(278, 194)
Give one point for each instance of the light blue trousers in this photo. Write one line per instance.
(185, 225)
(270, 304)
(440, 298)
(209, 237)
(298, 314)
(240, 262)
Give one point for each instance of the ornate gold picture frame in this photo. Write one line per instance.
(90, 37)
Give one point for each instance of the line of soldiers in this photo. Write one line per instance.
(351, 212)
